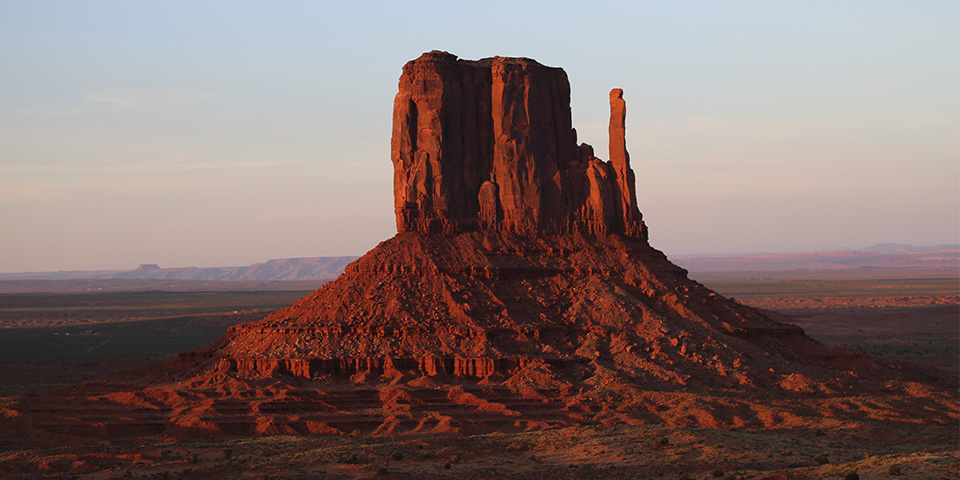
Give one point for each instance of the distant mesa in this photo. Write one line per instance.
(286, 269)
(902, 248)
(315, 268)
(326, 268)
(884, 256)
(519, 293)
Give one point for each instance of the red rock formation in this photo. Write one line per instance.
(520, 292)
(489, 145)
(620, 159)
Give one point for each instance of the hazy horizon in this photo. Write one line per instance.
(679, 255)
(229, 133)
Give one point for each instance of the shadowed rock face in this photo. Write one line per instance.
(489, 145)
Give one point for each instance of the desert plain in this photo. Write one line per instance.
(904, 315)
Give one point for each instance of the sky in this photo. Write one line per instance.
(223, 133)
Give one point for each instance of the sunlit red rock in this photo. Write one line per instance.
(489, 145)
(519, 293)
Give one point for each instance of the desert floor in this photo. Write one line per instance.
(905, 315)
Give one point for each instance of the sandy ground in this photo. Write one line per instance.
(615, 452)
(918, 329)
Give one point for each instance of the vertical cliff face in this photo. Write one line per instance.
(489, 145)
(620, 160)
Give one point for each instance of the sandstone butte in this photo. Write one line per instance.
(520, 292)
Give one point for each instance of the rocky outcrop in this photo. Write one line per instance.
(497, 299)
(620, 160)
(519, 293)
(489, 145)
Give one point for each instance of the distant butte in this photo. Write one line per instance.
(520, 292)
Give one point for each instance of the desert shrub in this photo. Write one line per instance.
(383, 471)
(661, 442)
(894, 470)
(852, 476)
(191, 458)
(350, 459)
(716, 473)
(821, 459)
(227, 453)
(355, 434)
(455, 459)
(398, 456)
(447, 466)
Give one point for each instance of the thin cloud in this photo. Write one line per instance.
(180, 164)
(145, 99)
(175, 163)
(132, 183)
(703, 125)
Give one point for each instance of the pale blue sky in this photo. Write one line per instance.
(227, 133)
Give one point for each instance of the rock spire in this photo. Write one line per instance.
(489, 145)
